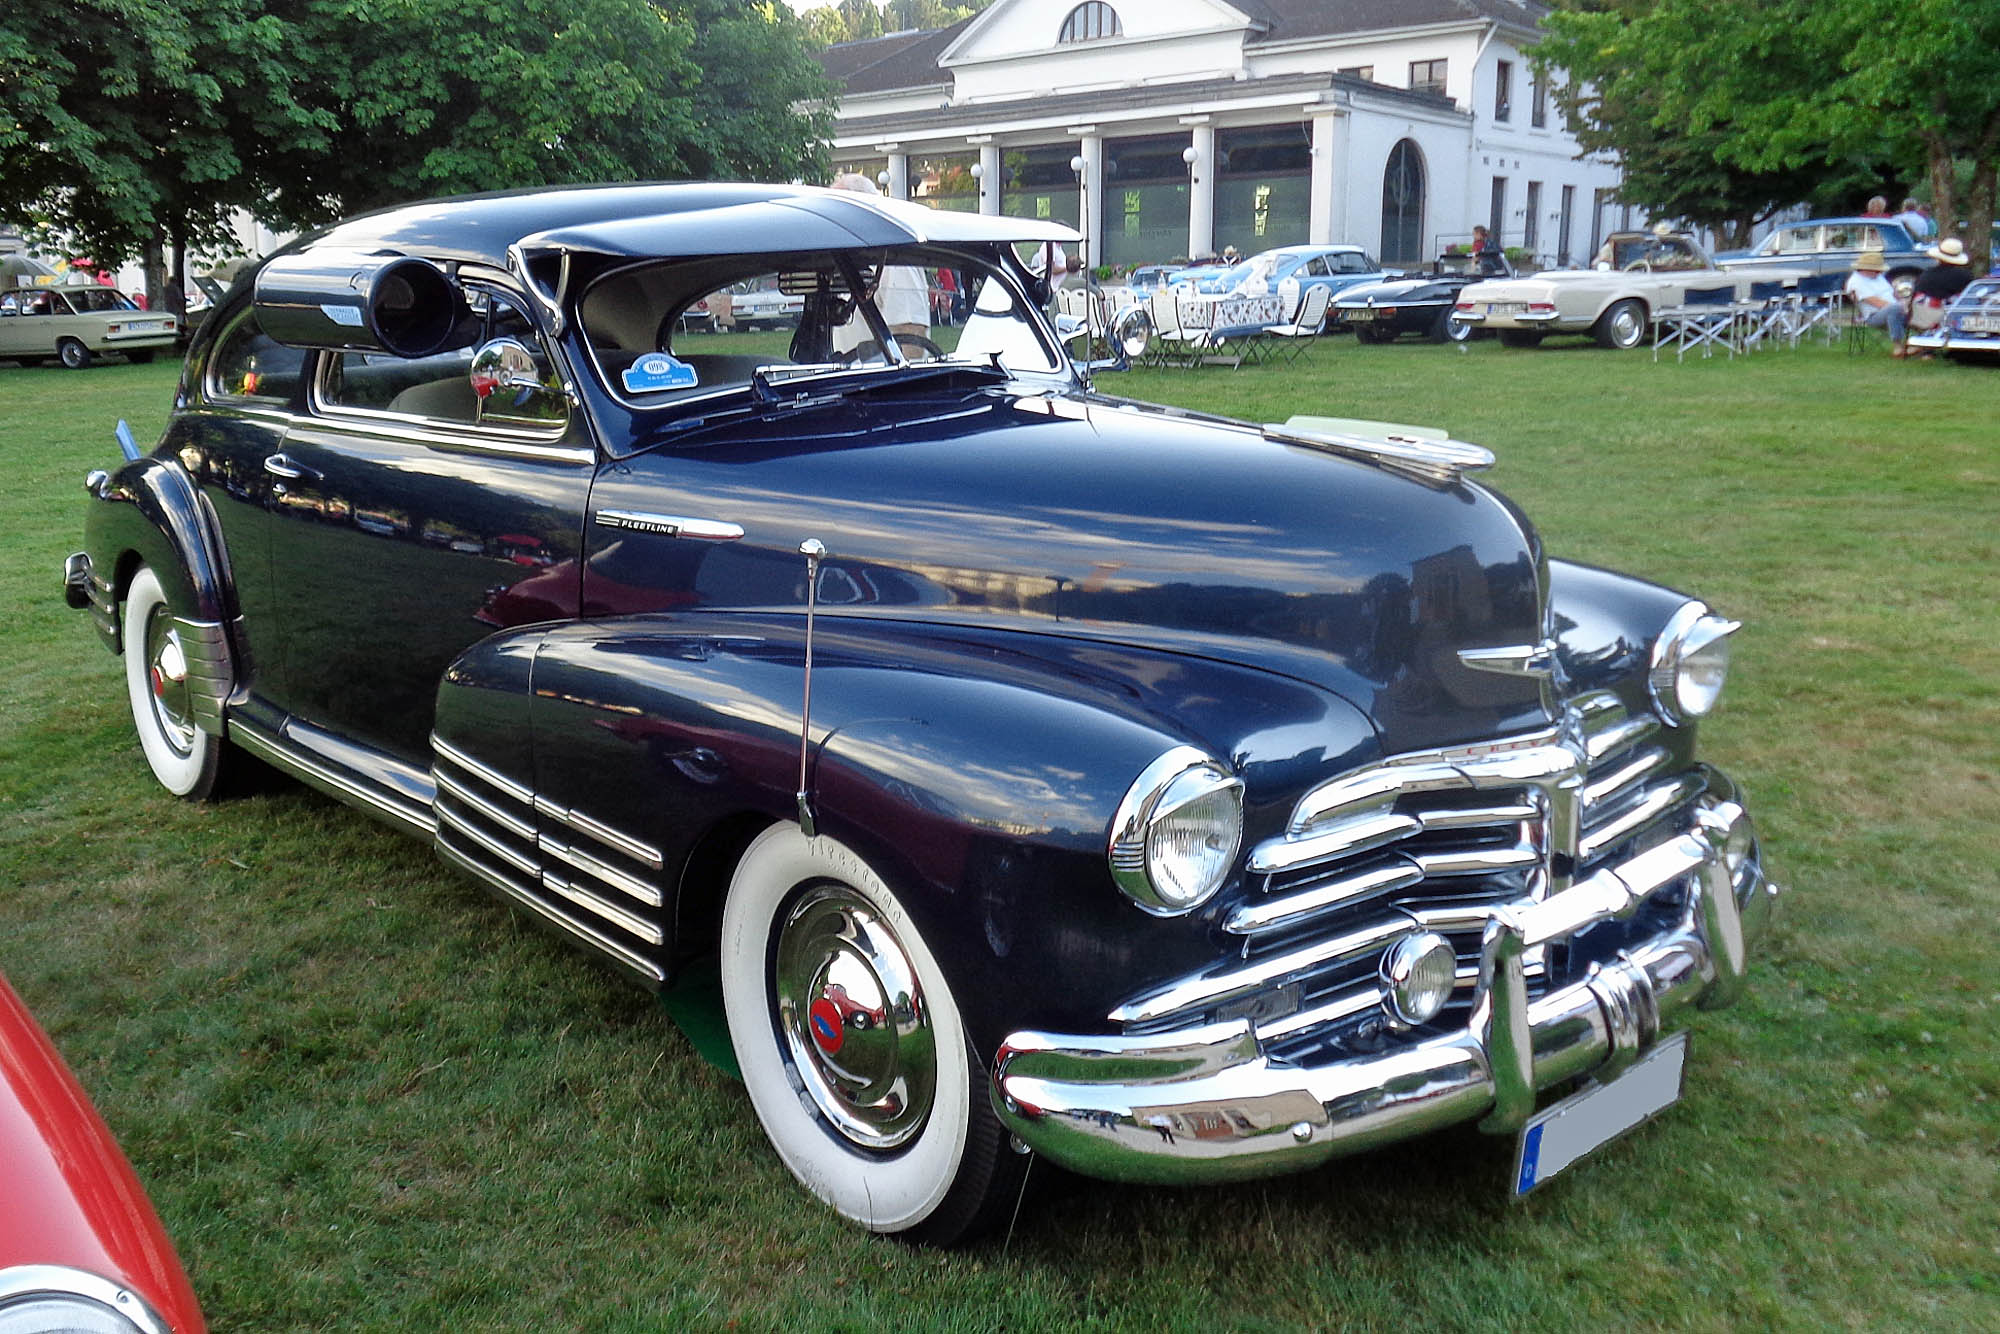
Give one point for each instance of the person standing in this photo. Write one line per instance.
(1875, 302)
(1914, 222)
(1878, 207)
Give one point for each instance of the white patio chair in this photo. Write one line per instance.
(1299, 335)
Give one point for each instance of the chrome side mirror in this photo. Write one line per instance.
(510, 386)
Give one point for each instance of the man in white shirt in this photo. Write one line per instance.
(1875, 299)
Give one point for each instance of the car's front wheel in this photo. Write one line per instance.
(852, 1047)
(1622, 326)
(74, 354)
(186, 760)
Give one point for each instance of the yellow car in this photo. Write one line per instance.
(77, 323)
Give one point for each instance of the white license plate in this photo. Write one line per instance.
(1980, 324)
(1362, 316)
(1557, 1136)
(1506, 308)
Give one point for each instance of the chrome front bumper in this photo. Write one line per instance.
(1206, 1104)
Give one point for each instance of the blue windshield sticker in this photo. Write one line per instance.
(656, 371)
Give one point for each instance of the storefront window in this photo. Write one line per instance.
(1145, 200)
(1038, 183)
(1263, 187)
(945, 182)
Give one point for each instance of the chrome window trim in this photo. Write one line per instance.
(25, 1282)
(521, 440)
(211, 393)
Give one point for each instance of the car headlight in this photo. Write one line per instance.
(1176, 832)
(1690, 663)
(39, 1298)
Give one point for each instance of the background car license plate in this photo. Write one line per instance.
(1365, 315)
(1559, 1135)
(1506, 308)
(1980, 324)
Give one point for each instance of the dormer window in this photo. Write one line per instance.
(1087, 23)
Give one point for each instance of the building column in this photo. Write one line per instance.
(1321, 230)
(989, 179)
(899, 176)
(1201, 194)
(1090, 207)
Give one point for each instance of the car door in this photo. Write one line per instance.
(414, 517)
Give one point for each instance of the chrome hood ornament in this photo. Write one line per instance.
(1422, 452)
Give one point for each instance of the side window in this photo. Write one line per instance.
(1317, 267)
(447, 387)
(247, 365)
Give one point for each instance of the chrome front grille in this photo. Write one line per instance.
(1436, 840)
(582, 876)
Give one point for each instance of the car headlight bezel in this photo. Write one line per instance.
(1191, 787)
(1690, 663)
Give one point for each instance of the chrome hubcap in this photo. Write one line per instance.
(166, 674)
(852, 1014)
(1625, 328)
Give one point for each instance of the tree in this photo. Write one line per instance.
(858, 20)
(1755, 94)
(130, 146)
(767, 106)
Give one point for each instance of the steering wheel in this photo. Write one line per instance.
(914, 347)
(1639, 266)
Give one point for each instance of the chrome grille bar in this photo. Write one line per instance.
(1201, 992)
(1292, 909)
(1656, 802)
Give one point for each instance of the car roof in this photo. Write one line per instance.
(665, 220)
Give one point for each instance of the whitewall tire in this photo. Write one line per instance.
(184, 758)
(852, 1047)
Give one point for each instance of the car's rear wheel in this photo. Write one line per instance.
(186, 760)
(1623, 326)
(852, 1048)
(1520, 338)
(74, 354)
(1448, 328)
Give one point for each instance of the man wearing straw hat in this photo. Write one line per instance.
(1875, 299)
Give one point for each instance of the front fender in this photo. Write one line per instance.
(977, 770)
(1605, 625)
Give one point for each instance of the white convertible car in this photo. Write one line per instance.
(1636, 274)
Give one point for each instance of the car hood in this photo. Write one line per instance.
(1069, 514)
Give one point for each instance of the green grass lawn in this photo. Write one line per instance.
(364, 1095)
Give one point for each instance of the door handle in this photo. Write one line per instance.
(280, 465)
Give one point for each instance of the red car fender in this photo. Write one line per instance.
(70, 1199)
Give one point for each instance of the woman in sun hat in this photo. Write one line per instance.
(1939, 286)
(1875, 298)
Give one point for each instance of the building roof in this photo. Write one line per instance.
(1293, 20)
(1082, 106)
(889, 64)
(909, 60)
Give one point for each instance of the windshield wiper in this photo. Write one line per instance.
(817, 383)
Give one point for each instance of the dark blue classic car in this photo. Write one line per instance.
(1179, 799)
(1831, 245)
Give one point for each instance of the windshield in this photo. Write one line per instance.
(670, 330)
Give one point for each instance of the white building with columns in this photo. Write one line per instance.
(1164, 129)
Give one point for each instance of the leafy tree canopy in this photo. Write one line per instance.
(854, 20)
(1739, 107)
(126, 123)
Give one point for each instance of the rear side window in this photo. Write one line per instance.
(441, 387)
(249, 366)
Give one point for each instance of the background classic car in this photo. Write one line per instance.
(1971, 325)
(1423, 303)
(77, 324)
(1637, 273)
(80, 1247)
(1831, 245)
(1175, 799)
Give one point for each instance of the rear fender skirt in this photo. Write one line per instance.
(976, 770)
